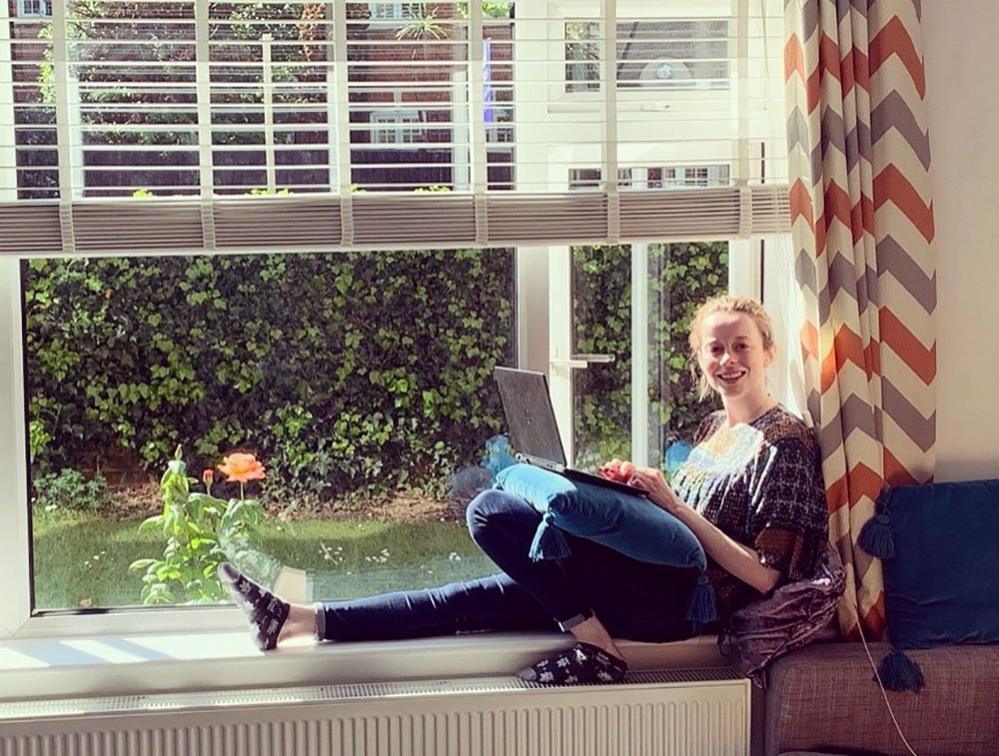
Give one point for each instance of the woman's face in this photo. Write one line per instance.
(732, 356)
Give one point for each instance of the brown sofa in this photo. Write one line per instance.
(822, 699)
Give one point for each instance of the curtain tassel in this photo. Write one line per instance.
(898, 672)
(876, 538)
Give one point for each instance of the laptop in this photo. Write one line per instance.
(534, 434)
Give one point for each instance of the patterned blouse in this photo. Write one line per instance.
(761, 484)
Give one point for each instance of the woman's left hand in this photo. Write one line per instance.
(659, 491)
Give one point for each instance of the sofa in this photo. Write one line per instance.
(940, 557)
(822, 699)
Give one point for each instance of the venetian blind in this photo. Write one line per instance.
(184, 126)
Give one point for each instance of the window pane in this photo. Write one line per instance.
(651, 54)
(680, 277)
(362, 381)
(582, 56)
(601, 301)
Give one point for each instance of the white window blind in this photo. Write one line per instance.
(169, 126)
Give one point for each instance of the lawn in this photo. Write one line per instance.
(82, 559)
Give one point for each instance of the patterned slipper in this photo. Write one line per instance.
(582, 664)
(265, 612)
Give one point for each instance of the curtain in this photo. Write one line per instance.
(862, 227)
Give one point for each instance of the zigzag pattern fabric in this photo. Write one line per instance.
(862, 227)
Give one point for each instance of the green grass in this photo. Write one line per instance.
(81, 559)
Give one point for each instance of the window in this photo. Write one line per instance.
(395, 11)
(591, 178)
(660, 177)
(388, 126)
(345, 386)
(32, 8)
(698, 175)
(651, 55)
(328, 211)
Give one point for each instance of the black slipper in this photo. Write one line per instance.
(264, 611)
(584, 663)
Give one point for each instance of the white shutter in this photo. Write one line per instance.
(493, 109)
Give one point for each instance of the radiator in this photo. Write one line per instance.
(697, 711)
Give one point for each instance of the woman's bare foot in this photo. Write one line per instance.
(301, 623)
(593, 632)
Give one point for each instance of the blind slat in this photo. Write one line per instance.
(396, 220)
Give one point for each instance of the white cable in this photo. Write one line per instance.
(877, 677)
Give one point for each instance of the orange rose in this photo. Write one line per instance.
(241, 467)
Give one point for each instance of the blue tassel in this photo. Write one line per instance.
(702, 602)
(548, 543)
(898, 672)
(876, 538)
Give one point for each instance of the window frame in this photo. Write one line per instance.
(631, 99)
(392, 11)
(534, 282)
(405, 125)
(721, 84)
(44, 9)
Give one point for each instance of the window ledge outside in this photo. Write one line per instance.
(148, 663)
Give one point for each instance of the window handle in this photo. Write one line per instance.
(583, 361)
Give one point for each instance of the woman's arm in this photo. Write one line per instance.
(732, 556)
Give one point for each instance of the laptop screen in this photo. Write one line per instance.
(529, 414)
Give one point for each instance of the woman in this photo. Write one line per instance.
(751, 491)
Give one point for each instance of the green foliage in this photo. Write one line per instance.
(490, 8)
(347, 372)
(197, 526)
(681, 277)
(69, 489)
(423, 24)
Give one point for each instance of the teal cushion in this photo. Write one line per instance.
(940, 555)
(632, 525)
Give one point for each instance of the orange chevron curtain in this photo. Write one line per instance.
(862, 227)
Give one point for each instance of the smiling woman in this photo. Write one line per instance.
(751, 492)
(732, 338)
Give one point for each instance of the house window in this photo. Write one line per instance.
(651, 55)
(675, 177)
(395, 11)
(393, 126)
(590, 178)
(34, 8)
(656, 177)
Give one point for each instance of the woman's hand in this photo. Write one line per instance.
(617, 470)
(659, 491)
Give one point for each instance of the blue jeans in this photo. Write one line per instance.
(634, 600)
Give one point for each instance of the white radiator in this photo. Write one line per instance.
(696, 711)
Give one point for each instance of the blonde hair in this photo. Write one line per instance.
(726, 303)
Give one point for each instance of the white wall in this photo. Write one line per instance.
(963, 110)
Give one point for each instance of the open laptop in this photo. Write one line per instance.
(534, 434)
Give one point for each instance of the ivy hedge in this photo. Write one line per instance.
(342, 371)
(348, 372)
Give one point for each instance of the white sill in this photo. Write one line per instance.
(149, 663)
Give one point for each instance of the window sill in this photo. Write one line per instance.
(135, 664)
